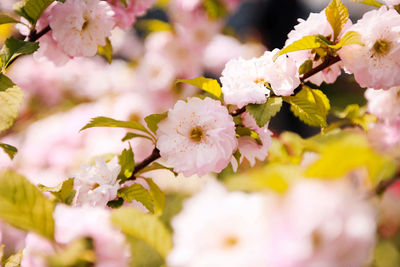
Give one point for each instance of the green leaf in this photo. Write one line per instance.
(158, 197)
(31, 9)
(10, 150)
(156, 166)
(337, 16)
(244, 131)
(349, 38)
(64, 192)
(149, 257)
(214, 9)
(130, 136)
(262, 113)
(153, 120)
(146, 227)
(116, 203)
(347, 153)
(106, 51)
(11, 97)
(108, 122)
(5, 19)
(209, 85)
(369, 2)
(127, 162)
(310, 105)
(139, 193)
(79, 253)
(305, 67)
(307, 42)
(13, 48)
(24, 206)
(356, 116)
(153, 25)
(14, 260)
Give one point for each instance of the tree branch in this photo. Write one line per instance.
(327, 63)
(141, 165)
(384, 185)
(34, 35)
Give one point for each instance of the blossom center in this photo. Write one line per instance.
(196, 134)
(85, 24)
(381, 47)
(230, 241)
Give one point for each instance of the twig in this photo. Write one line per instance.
(327, 63)
(34, 35)
(141, 165)
(384, 185)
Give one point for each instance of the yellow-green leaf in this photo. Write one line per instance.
(153, 25)
(10, 150)
(337, 15)
(14, 260)
(108, 122)
(146, 227)
(127, 162)
(209, 85)
(77, 253)
(139, 193)
(158, 197)
(307, 42)
(11, 97)
(31, 9)
(153, 120)
(13, 48)
(64, 192)
(349, 38)
(369, 2)
(310, 105)
(24, 206)
(106, 51)
(262, 113)
(5, 19)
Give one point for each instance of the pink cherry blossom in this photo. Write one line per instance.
(243, 81)
(126, 16)
(315, 24)
(229, 229)
(376, 63)
(248, 147)
(80, 26)
(385, 104)
(197, 137)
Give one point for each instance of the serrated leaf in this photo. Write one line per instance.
(64, 192)
(24, 206)
(5, 19)
(310, 105)
(262, 113)
(106, 51)
(307, 42)
(149, 257)
(156, 166)
(146, 227)
(31, 9)
(356, 116)
(349, 38)
(337, 15)
(11, 97)
(127, 162)
(153, 120)
(14, 260)
(369, 2)
(9, 149)
(209, 85)
(130, 136)
(13, 48)
(108, 122)
(158, 197)
(139, 193)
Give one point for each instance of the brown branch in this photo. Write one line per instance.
(327, 63)
(238, 112)
(384, 185)
(141, 165)
(34, 35)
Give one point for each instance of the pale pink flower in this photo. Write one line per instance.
(97, 184)
(392, 3)
(385, 135)
(282, 75)
(248, 147)
(80, 26)
(376, 64)
(72, 223)
(243, 81)
(315, 24)
(321, 224)
(197, 137)
(385, 104)
(125, 17)
(220, 228)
